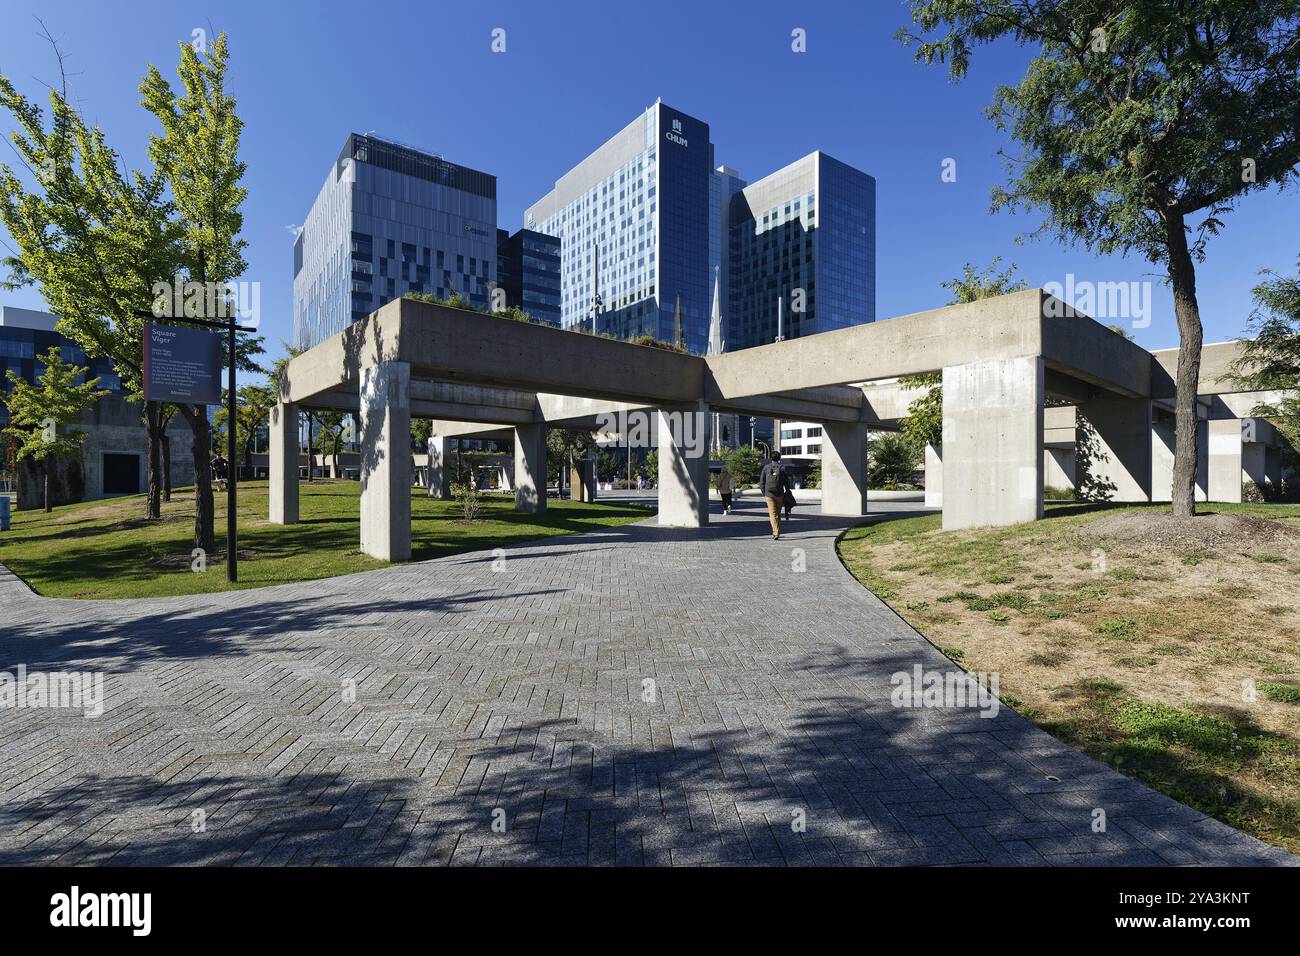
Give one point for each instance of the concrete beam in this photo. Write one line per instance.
(385, 441)
(684, 465)
(530, 468)
(844, 469)
(992, 442)
(283, 491)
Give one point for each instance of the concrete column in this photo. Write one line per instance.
(684, 465)
(530, 468)
(992, 442)
(1261, 462)
(933, 477)
(385, 422)
(844, 469)
(1113, 449)
(1224, 445)
(582, 480)
(284, 450)
(438, 475)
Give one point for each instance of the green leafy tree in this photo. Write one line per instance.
(650, 467)
(744, 463)
(333, 425)
(1140, 124)
(1270, 357)
(564, 446)
(101, 241)
(39, 414)
(892, 461)
(253, 406)
(924, 423)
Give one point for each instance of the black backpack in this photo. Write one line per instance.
(774, 483)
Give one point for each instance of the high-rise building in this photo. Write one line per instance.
(633, 222)
(802, 252)
(390, 220)
(528, 271)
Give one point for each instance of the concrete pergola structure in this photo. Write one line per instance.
(484, 375)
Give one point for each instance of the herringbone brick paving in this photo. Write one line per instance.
(513, 690)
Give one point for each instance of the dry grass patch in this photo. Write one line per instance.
(1124, 637)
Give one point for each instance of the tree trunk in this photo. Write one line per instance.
(197, 418)
(166, 466)
(153, 434)
(46, 463)
(311, 445)
(1182, 277)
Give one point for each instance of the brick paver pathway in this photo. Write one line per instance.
(510, 689)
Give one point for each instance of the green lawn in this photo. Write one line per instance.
(105, 549)
(1177, 666)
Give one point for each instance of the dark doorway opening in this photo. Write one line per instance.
(121, 474)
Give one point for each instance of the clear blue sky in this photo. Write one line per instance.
(308, 73)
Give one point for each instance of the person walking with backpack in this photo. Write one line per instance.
(774, 484)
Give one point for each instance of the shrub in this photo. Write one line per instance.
(469, 498)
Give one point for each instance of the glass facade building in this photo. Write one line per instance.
(26, 335)
(528, 271)
(633, 223)
(390, 220)
(803, 237)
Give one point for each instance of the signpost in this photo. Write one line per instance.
(184, 365)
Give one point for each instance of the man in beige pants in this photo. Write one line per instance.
(772, 482)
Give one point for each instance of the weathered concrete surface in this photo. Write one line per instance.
(437, 470)
(683, 435)
(933, 477)
(385, 441)
(522, 686)
(284, 448)
(529, 478)
(992, 445)
(1116, 433)
(1223, 440)
(844, 469)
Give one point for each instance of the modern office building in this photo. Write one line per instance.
(389, 220)
(633, 222)
(26, 335)
(528, 271)
(802, 254)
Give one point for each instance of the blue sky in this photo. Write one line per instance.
(307, 74)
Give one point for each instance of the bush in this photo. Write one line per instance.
(891, 461)
(469, 498)
(1053, 493)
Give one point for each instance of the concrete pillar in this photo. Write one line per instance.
(582, 480)
(844, 469)
(684, 465)
(438, 474)
(1224, 446)
(1058, 467)
(933, 477)
(1113, 449)
(385, 423)
(992, 442)
(283, 494)
(530, 468)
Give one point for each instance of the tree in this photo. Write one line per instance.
(1137, 119)
(101, 242)
(332, 426)
(564, 446)
(253, 404)
(744, 463)
(924, 423)
(1271, 355)
(38, 412)
(892, 460)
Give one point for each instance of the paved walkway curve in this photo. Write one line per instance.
(509, 689)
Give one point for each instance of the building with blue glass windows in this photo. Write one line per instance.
(528, 271)
(802, 252)
(633, 223)
(389, 220)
